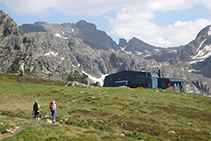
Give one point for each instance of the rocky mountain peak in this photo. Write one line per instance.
(201, 46)
(82, 24)
(136, 45)
(8, 26)
(122, 42)
(26, 28)
(204, 33)
(93, 37)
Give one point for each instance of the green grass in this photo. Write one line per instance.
(103, 113)
(5, 124)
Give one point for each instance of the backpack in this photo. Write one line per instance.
(36, 108)
(52, 106)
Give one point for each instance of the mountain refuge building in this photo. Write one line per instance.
(134, 79)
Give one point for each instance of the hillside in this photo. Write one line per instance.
(102, 113)
(83, 53)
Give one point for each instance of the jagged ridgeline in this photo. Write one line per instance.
(46, 55)
(21, 54)
(57, 51)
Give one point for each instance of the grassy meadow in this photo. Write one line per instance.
(94, 114)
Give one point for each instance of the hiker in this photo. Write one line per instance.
(53, 110)
(36, 111)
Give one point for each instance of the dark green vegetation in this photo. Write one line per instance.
(102, 113)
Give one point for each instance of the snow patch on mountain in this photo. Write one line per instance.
(123, 49)
(94, 79)
(201, 45)
(57, 35)
(51, 53)
(202, 54)
(209, 32)
(146, 51)
(174, 51)
(22, 67)
(156, 49)
(196, 61)
(77, 65)
(138, 53)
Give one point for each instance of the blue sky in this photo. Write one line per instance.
(162, 23)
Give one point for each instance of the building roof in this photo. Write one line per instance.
(130, 74)
(171, 79)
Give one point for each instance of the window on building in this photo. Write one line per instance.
(178, 84)
(149, 85)
(163, 85)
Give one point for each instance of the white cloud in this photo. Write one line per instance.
(205, 3)
(177, 34)
(133, 18)
(95, 7)
(36, 7)
(166, 5)
(79, 7)
(138, 22)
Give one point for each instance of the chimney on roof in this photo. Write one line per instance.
(160, 73)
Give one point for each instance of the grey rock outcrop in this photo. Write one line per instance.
(137, 46)
(122, 42)
(15, 47)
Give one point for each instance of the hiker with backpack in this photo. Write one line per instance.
(53, 110)
(36, 111)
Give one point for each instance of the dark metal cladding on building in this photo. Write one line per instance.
(134, 79)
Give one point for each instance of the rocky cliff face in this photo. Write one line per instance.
(15, 47)
(72, 54)
(137, 47)
(88, 32)
(19, 53)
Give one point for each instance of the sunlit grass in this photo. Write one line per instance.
(106, 113)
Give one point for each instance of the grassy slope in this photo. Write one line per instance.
(103, 113)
